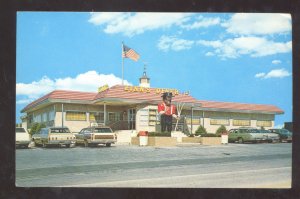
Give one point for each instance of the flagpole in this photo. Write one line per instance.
(122, 64)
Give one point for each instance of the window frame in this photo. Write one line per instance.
(218, 124)
(76, 119)
(233, 122)
(270, 125)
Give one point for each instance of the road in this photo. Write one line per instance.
(226, 166)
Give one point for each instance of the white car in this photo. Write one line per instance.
(60, 136)
(22, 137)
(269, 136)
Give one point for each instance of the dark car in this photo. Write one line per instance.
(284, 134)
(93, 136)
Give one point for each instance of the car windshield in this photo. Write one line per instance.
(264, 131)
(253, 131)
(102, 130)
(60, 130)
(20, 130)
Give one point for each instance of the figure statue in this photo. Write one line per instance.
(167, 111)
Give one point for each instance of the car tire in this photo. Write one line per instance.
(240, 140)
(108, 144)
(86, 144)
(68, 145)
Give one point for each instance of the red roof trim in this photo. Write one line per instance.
(240, 106)
(63, 94)
(119, 92)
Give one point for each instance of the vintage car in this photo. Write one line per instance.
(22, 137)
(93, 136)
(60, 136)
(269, 136)
(284, 134)
(242, 135)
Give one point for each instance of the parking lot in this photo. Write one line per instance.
(224, 166)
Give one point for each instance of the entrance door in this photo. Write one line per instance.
(131, 119)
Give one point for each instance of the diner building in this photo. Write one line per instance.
(124, 107)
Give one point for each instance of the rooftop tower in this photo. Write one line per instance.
(144, 80)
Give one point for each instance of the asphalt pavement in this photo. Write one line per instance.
(225, 166)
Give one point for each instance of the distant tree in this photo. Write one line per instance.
(220, 130)
(200, 130)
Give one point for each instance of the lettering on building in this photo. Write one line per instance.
(103, 88)
(139, 89)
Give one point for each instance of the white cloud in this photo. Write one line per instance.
(203, 22)
(89, 81)
(167, 43)
(25, 101)
(209, 54)
(34, 89)
(253, 46)
(132, 24)
(105, 17)
(276, 62)
(260, 75)
(258, 23)
(276, 73)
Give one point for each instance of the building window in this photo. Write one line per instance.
(96, 116)
(92, 117)
(219, 122)
(115, 116)
(264, 123)
(51, 115)
(44, 117)
(241, 122)
(76, 116)
(196, 120)
(30, 119)
(37, 118)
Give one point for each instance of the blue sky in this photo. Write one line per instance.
(237, 57)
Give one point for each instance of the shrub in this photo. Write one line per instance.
(36, 127)
(201, 130)
(220, 130)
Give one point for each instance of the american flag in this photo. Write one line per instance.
(130, 53)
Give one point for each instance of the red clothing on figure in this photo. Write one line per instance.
(169, 110)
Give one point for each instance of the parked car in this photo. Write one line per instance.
(93, 136)
(269, 136)
(284, 134)
(242, 135)
(60, 136)
(22, 137)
